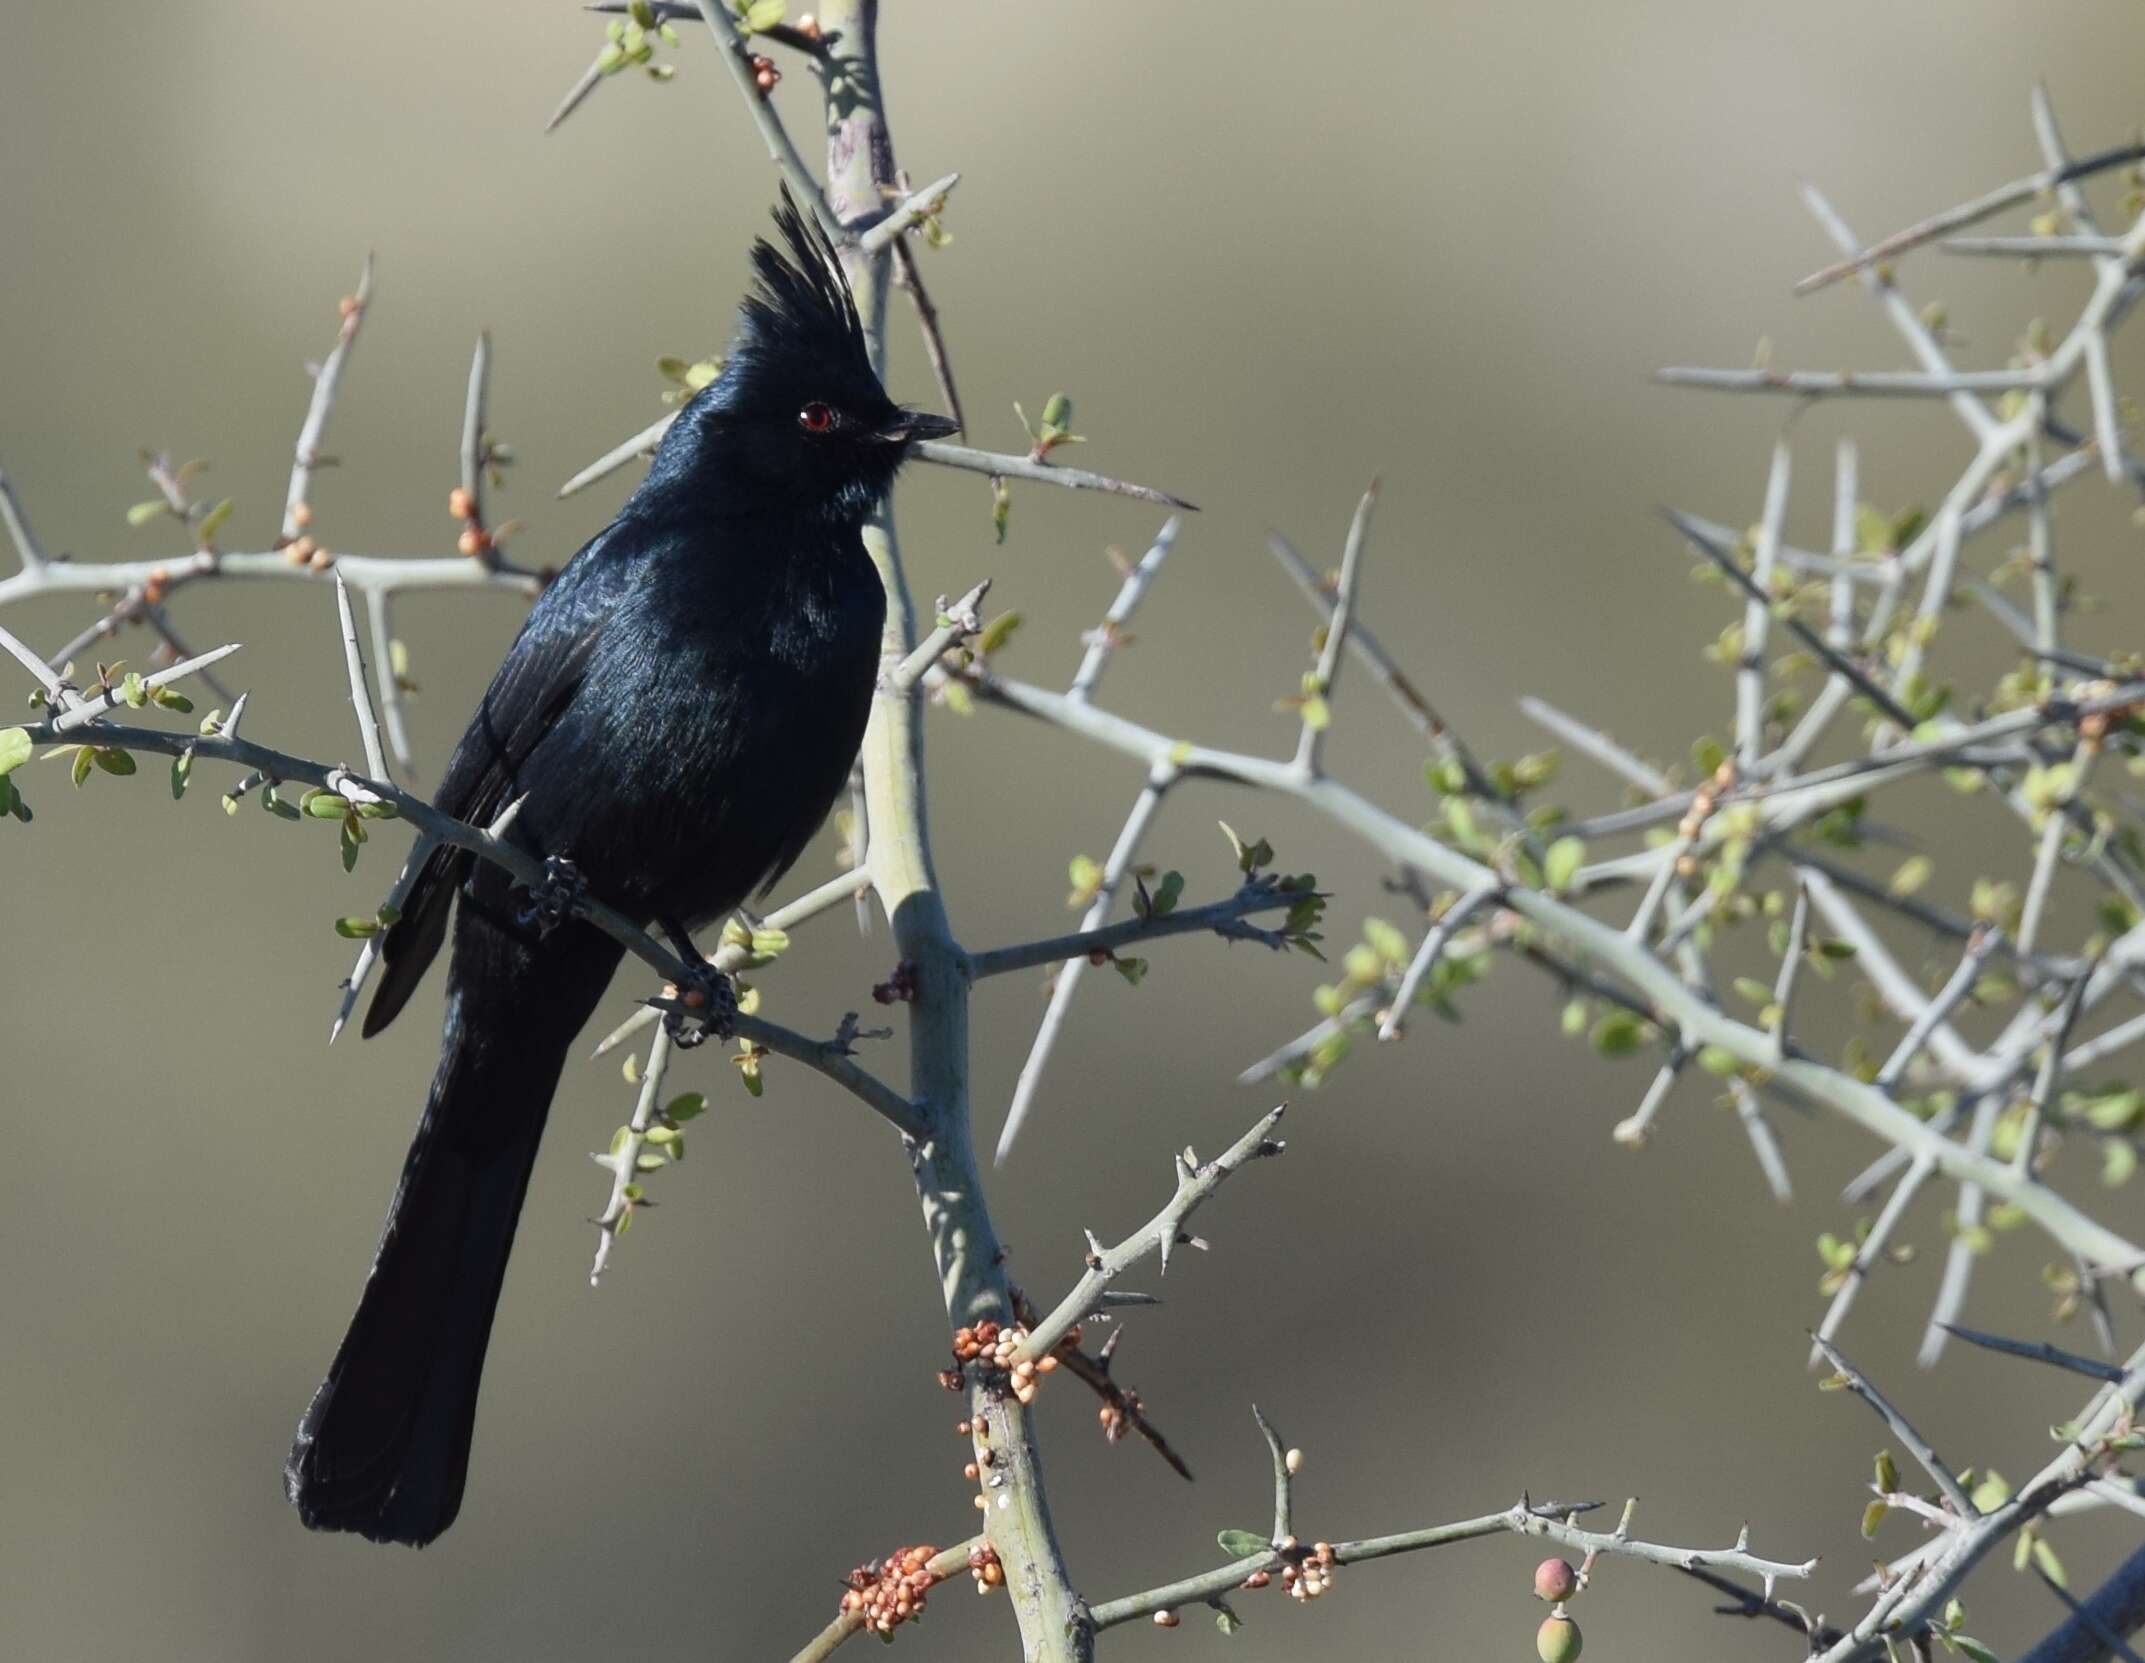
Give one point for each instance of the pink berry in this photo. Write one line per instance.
(1555, 1581)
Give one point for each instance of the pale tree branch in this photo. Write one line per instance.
(1196, 1183)
(1980, 208)
(1544, 1521)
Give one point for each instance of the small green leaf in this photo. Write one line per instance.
(687, 1106)
(170, 698)
(1913, 873)
(113, 760)
(1618, 1034)
(84, 760)
(1243, 1544)
(1562, 862)
(1887, 1472)
(182, 767)
(324, 805)
(133, 691)
(997, 633)
(1386, 941)
(2115, 1111)
(1133, 970)
(1715, 1059)
(1249, 856)
(15, 749)
(212, 522)
(357, 929)
(1873, 1516)
(762, 15)
(1167, 892)
(143, 512)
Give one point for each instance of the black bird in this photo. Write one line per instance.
(677, 715)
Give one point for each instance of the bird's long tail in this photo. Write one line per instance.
(384, 1448)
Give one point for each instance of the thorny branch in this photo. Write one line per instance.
(1942, 1107)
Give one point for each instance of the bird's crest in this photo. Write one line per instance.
(802, 300)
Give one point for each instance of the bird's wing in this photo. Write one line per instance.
(542, 671)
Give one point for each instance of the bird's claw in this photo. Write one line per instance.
(556, 899)
(703, 1007)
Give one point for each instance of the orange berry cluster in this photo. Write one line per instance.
(1116, 1413)
(475, 541)
(1310, 1575)
(994, 1344)
(985, 1457)
(764, 74)
(888, 1592)
(1703, 802)
(983, 1565)
(304, 549)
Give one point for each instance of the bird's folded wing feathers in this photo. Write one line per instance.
(542, 671)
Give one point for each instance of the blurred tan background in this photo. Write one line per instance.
(1268, 250)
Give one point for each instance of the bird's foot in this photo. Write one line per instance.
(553, 901)
(702, 1007)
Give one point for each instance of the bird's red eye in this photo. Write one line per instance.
(815, 418)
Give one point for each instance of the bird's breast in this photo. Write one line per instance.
(724, 733)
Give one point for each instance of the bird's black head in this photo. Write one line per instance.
(797, 418)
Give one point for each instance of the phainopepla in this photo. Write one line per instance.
(677, 716)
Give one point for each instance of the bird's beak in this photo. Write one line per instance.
(909, 426)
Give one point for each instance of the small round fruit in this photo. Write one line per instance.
(1557, 1640)
(1555, 1581)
